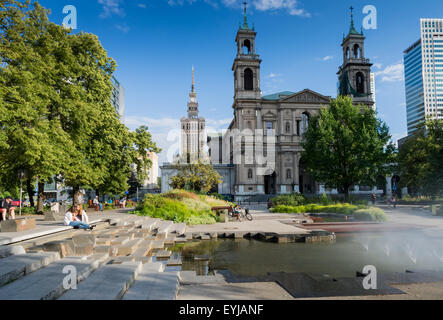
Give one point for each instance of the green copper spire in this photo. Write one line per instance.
(352, 29)
(245, 19)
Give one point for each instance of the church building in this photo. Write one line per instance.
(281, 119)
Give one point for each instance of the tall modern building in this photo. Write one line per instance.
(193, 131)
(118, 97)
(423, 62)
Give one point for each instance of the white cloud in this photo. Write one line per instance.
(378, 65)
(111, 7)
(290, 5)
(392, 73)
(141, 5)
(326, 58)
(123, 28)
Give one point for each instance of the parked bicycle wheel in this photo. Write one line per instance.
(248, 215)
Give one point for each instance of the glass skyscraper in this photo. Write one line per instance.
(423, 62)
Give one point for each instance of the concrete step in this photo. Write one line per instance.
(47, 283)
(17, 266)
(158, 244)
(150, 223)
(128, 248)
(190, 277)
(6, 251)
(178, 229)
(164, 228)
(163, 254)
(110, 282)
(151, 284)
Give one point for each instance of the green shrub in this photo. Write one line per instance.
(340, 208)
(370, 214)
(294, 199)
(180, 206)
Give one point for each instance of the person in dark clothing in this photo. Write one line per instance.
(6, 207)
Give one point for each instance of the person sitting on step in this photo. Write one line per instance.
(77, 218)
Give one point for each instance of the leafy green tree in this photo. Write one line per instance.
(56, 115)
(30, 138)
(420, 160)
(347, 145)
(196, 177)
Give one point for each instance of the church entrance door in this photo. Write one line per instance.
(270, 183)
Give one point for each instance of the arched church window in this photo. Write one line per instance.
(356, 51)
(249, 78)
(347, 53)
(288, 174)
(247, 47)
(360, 82)
(249, 173)
(288, 127)
(249, 125)
(304, 122)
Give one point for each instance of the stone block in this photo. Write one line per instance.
(53, 216)
(169, 241)
(158, 244)
(6, 251)
(83, 250)
(127, 248)
(103, 242)
(163, 254)
(64, 247)
(17, 225)
(83, 239)
(119, 241)
(180, 240)
(102, 249)
(205, 237)
(174, 262)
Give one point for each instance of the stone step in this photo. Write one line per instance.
(180, 240)
(174, 262)
(163, 254)
(150, 224)
(152, 284)
(47, 283)
(164, 228)
(17, 225)
(106, 249)
(6, 251)
(190, 277)
(64, 247)
(119, 241)
(17, 266)
(178, 229)
(128, 248)
(109, 282)
(158, 244)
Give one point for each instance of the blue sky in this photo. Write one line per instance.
(156, 42)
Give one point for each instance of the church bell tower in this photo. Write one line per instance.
(246, 65)
(355, 72)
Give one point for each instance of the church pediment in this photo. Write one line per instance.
(269, 115)
(306, 96)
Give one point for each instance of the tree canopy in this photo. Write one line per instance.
(420, 160)
(196, 177)
(56, 115)
(347, 145)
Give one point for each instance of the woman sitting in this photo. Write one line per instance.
(77, 218)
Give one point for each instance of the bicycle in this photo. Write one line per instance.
(241, 214)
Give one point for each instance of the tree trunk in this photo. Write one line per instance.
(30, 191)
(346, 192)
(41, 197)
(76, 195)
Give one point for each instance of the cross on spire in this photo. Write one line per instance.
(193, 83)
(245, 19)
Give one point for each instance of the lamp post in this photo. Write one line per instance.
(21, 176)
